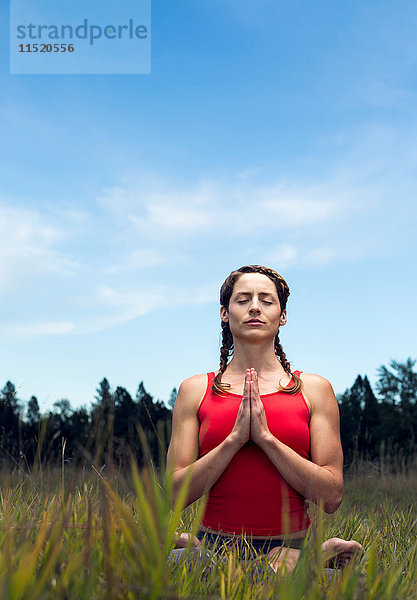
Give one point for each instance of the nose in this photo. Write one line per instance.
(254, 307)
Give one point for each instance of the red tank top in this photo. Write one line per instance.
(251, 496)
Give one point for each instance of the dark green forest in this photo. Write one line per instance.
(117, 426)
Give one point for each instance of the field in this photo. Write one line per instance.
(86, 535)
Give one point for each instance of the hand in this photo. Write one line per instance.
(259, 429)
(241, 429)
(182, 540)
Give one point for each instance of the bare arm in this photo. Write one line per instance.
(183, 449)
(320, 479)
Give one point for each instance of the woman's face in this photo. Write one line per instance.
(254, 308)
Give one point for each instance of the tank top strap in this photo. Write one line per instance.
(210, 378)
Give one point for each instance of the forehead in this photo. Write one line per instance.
(254, 282)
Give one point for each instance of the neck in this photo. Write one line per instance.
(260, 356)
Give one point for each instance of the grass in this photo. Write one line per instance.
(84, 535)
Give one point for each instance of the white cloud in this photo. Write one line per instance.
(42, 329)
(186, 211)
(320, 256)
(103, 309)
(28, 245)
(138, 301)
(285, 256)
(147, 232)
(134, 302)
(120, 305)
(114, 307)
(228, 208)
(157, 213)
(301, 207)
(140, 258)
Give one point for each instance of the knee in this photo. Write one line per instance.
(283, 556)
(189, 556)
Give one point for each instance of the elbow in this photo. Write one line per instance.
(332, 504)
(177, 485)
(184, 505)
(172, 502)
(331, 507)
(174, 493)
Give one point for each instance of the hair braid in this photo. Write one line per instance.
(225, 351)
(281, 355)
(287, 368)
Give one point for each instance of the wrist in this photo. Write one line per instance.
(266, 440)
(233, 441)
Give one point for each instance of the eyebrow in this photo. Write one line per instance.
(250, 293)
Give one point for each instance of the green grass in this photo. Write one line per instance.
(83, 536)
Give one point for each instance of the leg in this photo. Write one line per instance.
(182, 540)
(189, 556)
(188, 550)
(337, 553)
(283, 558)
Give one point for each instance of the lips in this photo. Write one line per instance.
(255, 321)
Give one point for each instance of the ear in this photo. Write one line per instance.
(283, 317)
(224, 315)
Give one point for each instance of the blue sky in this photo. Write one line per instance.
(272, 132)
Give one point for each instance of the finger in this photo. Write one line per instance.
(254, 397)
(245, 384)
(251, 394)
(255, 380)
(255, 390)
(246, 392)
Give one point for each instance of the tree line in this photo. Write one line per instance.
(385, 423)
(118, 427)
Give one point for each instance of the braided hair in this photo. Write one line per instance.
(226, 350)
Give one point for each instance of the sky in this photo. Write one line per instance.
(280, 133)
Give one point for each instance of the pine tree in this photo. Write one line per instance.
(398, 388)
(360, 418)
(33, 414)
(126, 419)
(103, 421)
(9, 419)
(172, 398)
(350, 420)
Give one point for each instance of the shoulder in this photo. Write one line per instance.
(194, 384)
(315, 382)
(318, 391)
(191, 392)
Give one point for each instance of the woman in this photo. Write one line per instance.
(259, 438)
